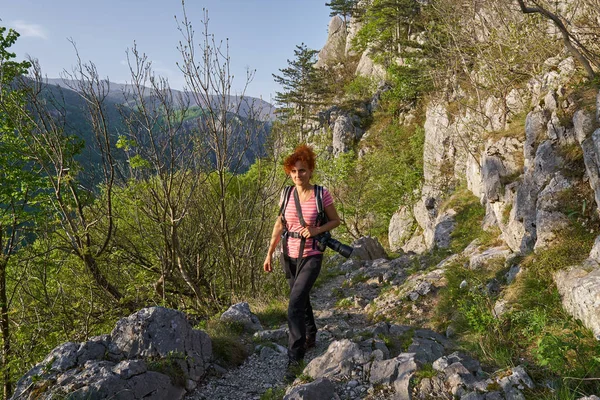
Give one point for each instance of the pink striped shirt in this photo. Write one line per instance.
(309, 213)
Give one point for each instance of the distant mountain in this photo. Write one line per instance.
(254, 114)
(249, 107)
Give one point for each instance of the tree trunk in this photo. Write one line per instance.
(100, 279)
(564, 32)
(4, 331)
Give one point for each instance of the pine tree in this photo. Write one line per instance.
(303, 88)
(345, 8)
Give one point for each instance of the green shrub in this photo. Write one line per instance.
(273, 394)
(227, 341)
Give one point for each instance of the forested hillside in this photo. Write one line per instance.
(462, 133)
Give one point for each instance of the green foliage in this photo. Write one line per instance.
(344, 8)
(408, 84)
(386, 28)
(368, 190)
(273, 394)
(469, 219)
(360, 88)
(274, 314)
(535, 329)
(171, 365)
(346, 302)
(425, 371)
(303, 89)
(227, 341)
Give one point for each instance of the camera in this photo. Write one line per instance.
(325, 240)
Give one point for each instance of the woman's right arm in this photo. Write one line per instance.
(275, 237)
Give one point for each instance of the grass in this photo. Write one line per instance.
(273, 313)
(170, 366)
(345, 303)
(227, 341)
(425, 371)
(273, 394)
(536, 331)
(469, 217)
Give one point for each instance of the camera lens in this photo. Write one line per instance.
(339, 247)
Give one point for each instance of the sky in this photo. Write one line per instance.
(262, 35)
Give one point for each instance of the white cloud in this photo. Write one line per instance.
(27, 29)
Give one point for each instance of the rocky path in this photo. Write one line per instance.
(358, 359)
(265, 368)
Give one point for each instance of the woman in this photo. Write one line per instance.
(301, 268)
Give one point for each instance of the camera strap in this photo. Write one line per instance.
(285, 199)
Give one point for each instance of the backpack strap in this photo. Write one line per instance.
(321, 216)
(285, 199)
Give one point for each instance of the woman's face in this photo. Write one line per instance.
(300, 174)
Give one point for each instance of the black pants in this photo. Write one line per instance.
(301, 321)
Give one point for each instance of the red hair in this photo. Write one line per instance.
(302, 153)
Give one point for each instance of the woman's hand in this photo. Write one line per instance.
(267, 264)
(310, 231)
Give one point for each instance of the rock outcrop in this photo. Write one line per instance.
(152, 354)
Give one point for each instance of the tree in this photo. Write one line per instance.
(20, 186)
(303, 89)
(345, 8)
(53, 147)
(188, 220)
(573, 45)
(388, 29)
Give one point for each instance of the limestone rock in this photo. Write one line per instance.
(415, 244)
(125, 364)
(331, 363)
(345, 134)
(271, 335)
(335, 47)
(444, 226)
(580, 292)
(319, 389)
(550, 221)
(367, 248)
(401, 228)
(591, 158)
(479, 260)
(583, 124)
(240, 313)
(396, 372)
(367, 67)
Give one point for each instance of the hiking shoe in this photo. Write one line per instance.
(294, 368)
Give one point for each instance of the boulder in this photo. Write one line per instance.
(240, 313)
(479, 260)
(591, 158)
(395, 372)
(319, 389)
(368, 248)
(550, 221)
(152, 354)
(401, 228)
(345, 134)
(335, 360)
(444, 226)
(580, 293)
